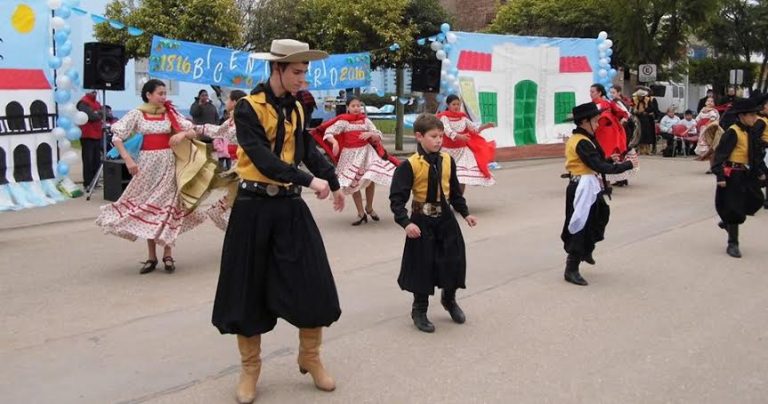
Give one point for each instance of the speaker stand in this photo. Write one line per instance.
(104, 130)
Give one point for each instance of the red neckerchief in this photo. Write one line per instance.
(452, 115)
(170, 110)
(483, 150)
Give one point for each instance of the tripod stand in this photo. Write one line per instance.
(106, 132)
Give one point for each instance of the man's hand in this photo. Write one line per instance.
(471, 221)
(412, 231)
(133, 168)
(338, 201)
(321, 188)
(721, 184)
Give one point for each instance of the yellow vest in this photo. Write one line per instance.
(268, 117)
(740, 153)
(573, 163)
(420, 168)
(765, 130)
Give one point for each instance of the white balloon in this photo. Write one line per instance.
(446, 63)
(50, 51)
(81, 118)
(65, 145)
(602, 46)
(602, 35)
(70, 156)
(64, 82)
(451, 37)
(58, 22)
(451, 78)
(68, 108)
(608, 43)
(59, 133)
(66, 62)
(603, 73)
(54, 4)
(602, 55)
(443, 73)
(436, 46)
(440, 54)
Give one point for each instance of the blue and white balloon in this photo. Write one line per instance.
(54, 62)
(73, 133)
(65, 49)
(62, 96)
(62, 168)
(63, 82)
(445, 28)
(60, 37)
(58, 132)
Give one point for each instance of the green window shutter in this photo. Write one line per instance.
(488, 107)
(525, 112)
(564, 103)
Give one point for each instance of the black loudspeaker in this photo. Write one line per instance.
(104, 66)
(116, 178)
(425, 76)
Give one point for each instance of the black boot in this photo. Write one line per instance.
(733, 241)
(572, 274)
(419, 313)
(589, 259)
(449, 303)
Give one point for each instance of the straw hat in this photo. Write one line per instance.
(290, 51)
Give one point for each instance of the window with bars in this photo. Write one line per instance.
(564, 103)
(525, 112)
(488, 107)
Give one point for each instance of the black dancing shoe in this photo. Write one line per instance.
(421, 321)
(450, 305)
(733, 250)
(148, 266)
(575, 278)
(589, 259)
(361, 219)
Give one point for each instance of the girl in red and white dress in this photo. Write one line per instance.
(354, 143)
(225, 143)
(610, 134)
(463, 142)
(149, 208)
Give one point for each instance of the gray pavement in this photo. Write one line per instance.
(668, 317)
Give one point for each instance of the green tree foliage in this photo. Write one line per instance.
(552, 18)
(716, 72)
(214, 22)
(273, 19)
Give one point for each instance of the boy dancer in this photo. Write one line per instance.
(434, 248)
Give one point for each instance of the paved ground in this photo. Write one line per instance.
(668, 317)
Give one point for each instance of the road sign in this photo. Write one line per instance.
(737, 77)
(647, 73)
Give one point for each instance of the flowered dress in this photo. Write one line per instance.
(149, 208)
(360, 162)
(468, 161)
(225, 140)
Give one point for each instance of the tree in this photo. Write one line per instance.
(214, 22)
(552, 18)
(716, 71)
(271, 19)
(655, 31)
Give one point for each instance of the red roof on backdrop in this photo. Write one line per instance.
(23, 79)
(575, 64)
(475, 61)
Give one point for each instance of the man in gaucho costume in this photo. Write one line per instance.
(273, 263)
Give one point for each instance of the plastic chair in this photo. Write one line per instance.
(680, 133)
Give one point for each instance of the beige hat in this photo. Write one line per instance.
(290, 51)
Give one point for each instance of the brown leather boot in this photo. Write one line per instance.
(250, 358)
(310, 340)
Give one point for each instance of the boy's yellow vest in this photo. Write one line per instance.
(420, 168)
(740, 153)
(573, 163)
(268, 117)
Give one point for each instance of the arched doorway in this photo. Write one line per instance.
(45, 161)
(14, 115)
(39, 115)
(22, 164)
(526, 92)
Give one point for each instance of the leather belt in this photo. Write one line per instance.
(427, 209)
(270, 190)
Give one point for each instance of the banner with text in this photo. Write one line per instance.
(206, 64)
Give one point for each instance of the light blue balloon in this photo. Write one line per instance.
(380, 92)
(64, 122)
(60, 37)
(421, 41)
(66, 29)
(63, 12)
(54, 62)
(609, 52)
(62, 97)
(65, 49)
(447, 48)
(612, 73)
(599, 40)
(73, 75)
(441, 37)
(62, 168)
(445, 28)
(454, 71)
(73, 133)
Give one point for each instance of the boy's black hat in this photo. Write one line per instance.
(583, 111)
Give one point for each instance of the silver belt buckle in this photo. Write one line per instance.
(431, 210)
(272, 189)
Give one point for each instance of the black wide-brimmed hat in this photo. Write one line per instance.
(583, 111)
(746, 105)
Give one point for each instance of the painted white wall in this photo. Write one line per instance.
(32, 141)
